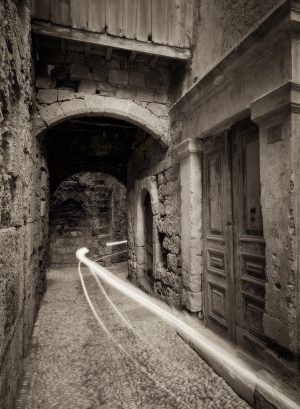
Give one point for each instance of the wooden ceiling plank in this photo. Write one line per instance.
(42, 9)
(159, 21)
(79, 14)
(129, 18)
(96, 16)
(144, 20)
(114, 11)
(60, 12)
(107, 41)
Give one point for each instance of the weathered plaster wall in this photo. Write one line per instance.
(23, 205)
(279, 218)
(219, 26)
(86, 210)
(228, 91)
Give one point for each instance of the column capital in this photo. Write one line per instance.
(189, 147)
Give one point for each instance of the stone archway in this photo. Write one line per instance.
(146, 189)
(50, 115)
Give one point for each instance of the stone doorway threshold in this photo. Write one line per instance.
(249, 378)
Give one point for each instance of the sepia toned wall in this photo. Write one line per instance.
(23, 199)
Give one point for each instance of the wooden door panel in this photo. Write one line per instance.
(217, 228)
(249, 245)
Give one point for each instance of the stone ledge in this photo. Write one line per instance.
(247, 376)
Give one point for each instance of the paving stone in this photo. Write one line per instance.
(74, 364)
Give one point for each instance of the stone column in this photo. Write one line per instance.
(278, 117)
(190, 155)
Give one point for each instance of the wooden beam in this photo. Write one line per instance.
(108, 54)
(153, 62)
(132, 57)
(87, 50)
(73, 34)
(63, 46)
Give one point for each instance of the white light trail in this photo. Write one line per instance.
(116, 243)
(105, 329)
(209, 349)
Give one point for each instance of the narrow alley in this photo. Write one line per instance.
(167, 131)
(73, 364)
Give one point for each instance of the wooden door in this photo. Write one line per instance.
(234, 247)
(249, 244)
(218, 256)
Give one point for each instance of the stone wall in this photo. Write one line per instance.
(23, 203)
(74, 76)
(156, 171)
(87, 210)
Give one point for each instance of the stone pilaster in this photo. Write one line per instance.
(190, 155)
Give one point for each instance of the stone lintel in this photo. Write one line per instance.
(285, 98)
(282, 20)
(189, 147)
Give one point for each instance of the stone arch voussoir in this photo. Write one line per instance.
(96, 105)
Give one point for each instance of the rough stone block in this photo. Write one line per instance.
(192, 301)
(51, 113)
(126, 93)
(99, 74)
(47, 96)
(145, 94)
(65, 95)
(80, 71)
(73, 57)
(76, 106)
(105, 89)
(192, 282)
(157, 81)
(172, 262)
(38, 124)
(43, 82)
(159, 110)
(172, 173)
(160, 178)
(11, 283)
(136, 78)
(161, 97)
(95, 103)
(118, 77)
(87, 87)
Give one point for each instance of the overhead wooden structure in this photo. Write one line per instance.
(146, 24)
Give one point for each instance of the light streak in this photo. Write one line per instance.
(107, 332)
(116, 243)
(208, 348)
(128, 324)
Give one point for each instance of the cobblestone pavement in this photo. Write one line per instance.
(74, 365)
